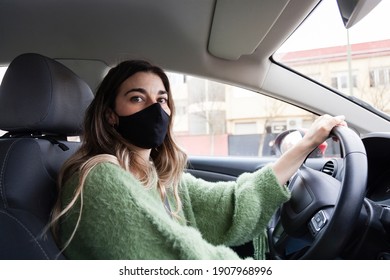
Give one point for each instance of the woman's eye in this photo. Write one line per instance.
(163, 100)
(136, 99)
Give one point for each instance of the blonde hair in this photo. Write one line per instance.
(167, 161)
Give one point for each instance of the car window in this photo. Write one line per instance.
(354, 62)
(215, 119)
(2, 72)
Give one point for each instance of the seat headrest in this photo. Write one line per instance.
(40, 95)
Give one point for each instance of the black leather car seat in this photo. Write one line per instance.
(41, 103)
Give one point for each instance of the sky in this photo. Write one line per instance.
(325, 28)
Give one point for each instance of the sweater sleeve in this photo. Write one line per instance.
(233, 213)
(121, 219)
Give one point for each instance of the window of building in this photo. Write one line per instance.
(380, 77)
(341, 80)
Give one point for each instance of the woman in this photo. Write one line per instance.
(124, 195)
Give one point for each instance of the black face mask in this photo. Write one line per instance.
(145, 129)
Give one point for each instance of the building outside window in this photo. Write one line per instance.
(380, 77)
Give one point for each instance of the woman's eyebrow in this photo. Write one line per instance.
(143, 91)
(140, 90)
(161, 92)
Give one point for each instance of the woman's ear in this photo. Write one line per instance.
(111, 117)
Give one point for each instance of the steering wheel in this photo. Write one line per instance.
(322, 211)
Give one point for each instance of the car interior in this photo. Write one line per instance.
(55, 53)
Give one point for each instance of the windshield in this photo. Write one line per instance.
(354, 61)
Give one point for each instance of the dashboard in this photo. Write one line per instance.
(378, 155)
(372, 235)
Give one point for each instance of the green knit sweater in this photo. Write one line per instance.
(121, 219)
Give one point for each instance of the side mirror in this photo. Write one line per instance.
(352, 11)
(285, 140)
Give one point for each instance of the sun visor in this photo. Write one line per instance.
(239, 26)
